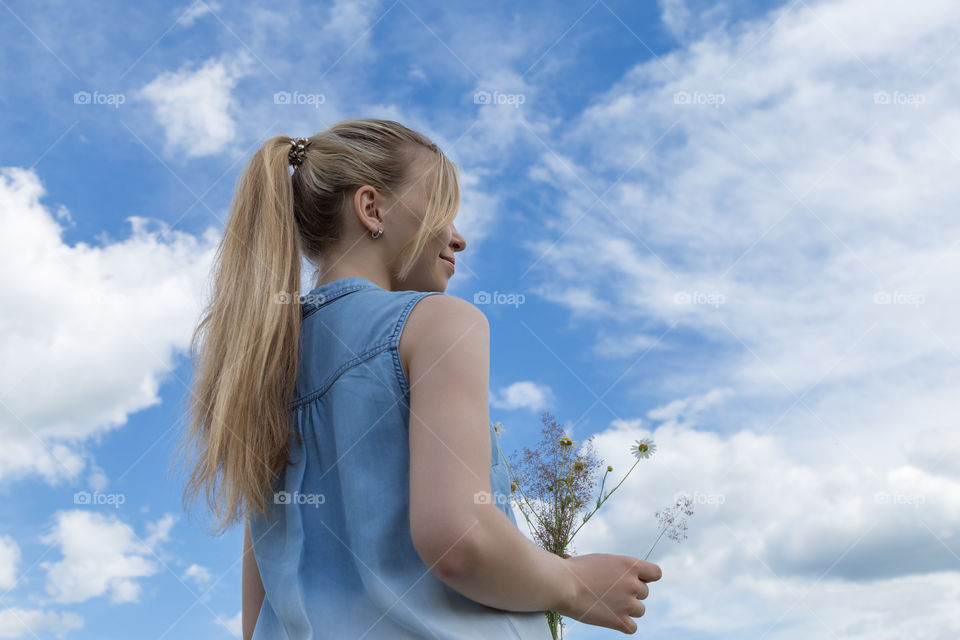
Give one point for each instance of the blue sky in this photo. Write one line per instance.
(732, 227)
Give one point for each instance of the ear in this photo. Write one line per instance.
(366, 205)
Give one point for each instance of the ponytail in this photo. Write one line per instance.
(246, 364)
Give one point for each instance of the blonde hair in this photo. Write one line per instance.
(245, 348)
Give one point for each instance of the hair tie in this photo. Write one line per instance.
(298, 147)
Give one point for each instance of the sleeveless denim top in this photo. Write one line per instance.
(335, 554)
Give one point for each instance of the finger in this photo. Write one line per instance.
(649, 572)
(642, 591)
(637, 610)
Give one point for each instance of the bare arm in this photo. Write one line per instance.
(252, 587)
(471, 545)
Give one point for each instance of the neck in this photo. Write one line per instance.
(346, 266)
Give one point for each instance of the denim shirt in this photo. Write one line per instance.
(335, 553)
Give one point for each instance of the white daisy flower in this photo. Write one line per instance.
(643, 449)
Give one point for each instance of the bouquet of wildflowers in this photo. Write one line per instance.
(555, 482)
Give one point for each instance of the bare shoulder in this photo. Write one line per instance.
(438, 322)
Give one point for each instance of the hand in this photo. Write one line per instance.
(609, 589)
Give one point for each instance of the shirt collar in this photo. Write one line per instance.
(332, 290)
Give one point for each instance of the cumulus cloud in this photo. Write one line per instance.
(195, 104)
(522, 395)
(16, 622)
(233, 624)
(777, 537)
(89, 331)
(9, 558)
(198, 574)
(102, 555)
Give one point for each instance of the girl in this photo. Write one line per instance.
(348, 428)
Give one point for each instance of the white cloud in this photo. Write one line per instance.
(198, 574)
(89, 331)
(522, 395)
(675, 16)
(705, 230)
(196, 107)
(688, 407)
(194, 11)
(101, 556)
(233, 625)
(685, 22)
(768, 523)
(618, 345)
(159, 532)
(29, 623)
(765, 227)
(9, 558)
(417, 73)
(348, 23)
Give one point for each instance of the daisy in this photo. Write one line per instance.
(565, 442)
(643, 449)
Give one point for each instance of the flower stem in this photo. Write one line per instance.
(655, 543)
(600, 502)
(520, 489)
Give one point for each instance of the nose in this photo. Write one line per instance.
(457, 241)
